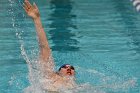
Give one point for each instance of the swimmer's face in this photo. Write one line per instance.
(67, 70)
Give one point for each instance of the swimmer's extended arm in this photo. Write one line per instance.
(33, 12)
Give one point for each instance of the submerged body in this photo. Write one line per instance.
(58, 83)
(54, 81)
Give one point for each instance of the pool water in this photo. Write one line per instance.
(101, 38)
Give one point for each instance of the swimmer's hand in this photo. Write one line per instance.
(31, 10)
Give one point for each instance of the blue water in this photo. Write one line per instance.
(101, 38)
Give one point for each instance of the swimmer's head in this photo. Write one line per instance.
(66, 70)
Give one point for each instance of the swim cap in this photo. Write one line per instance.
(64, 66)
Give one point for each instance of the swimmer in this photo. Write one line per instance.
(61, 78)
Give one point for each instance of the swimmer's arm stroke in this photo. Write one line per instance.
(33, 12)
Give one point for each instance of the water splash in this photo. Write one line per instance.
(112, 83)
(35, 74)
